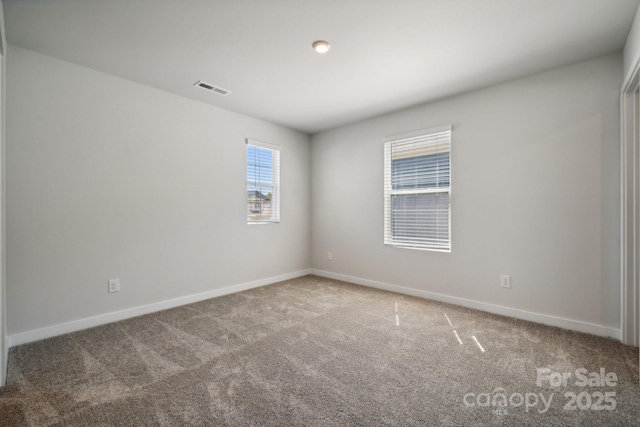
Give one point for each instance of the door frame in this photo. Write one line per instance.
(630, 208)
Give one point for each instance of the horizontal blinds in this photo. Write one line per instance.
(417, 190)
(422, 145)
(263, 186)
(421, 219)
(423, 171)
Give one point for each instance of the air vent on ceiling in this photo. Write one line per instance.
(213, 88)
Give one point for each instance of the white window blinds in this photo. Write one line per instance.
(263, 182)
(417, 190)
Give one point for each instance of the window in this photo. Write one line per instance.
(417, 190)
(263, 182)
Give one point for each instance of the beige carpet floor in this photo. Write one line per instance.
(318, 352)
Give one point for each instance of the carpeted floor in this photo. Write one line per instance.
(313, 351)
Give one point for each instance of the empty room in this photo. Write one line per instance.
(302, 213)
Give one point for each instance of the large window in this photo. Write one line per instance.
(417, 190)
(263, 182)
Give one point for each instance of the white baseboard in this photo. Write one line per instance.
(573, 325)
(90, 322)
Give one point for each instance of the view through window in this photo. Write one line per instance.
(263, 179)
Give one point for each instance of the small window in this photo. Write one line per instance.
(417, 190)
(263, 182)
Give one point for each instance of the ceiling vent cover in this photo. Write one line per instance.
(213, 88)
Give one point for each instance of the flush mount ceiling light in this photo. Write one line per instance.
(321, 46)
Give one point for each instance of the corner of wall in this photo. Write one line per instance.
(631, 50)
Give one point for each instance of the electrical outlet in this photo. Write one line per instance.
(330, 256)
(505, 281)
(114, 285)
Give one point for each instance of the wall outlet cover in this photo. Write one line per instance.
(114, 285)
(505, 281)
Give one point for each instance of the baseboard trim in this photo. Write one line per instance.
(545, 319)
(90, 322)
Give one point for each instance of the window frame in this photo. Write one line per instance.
(389, 192)
(274, 186)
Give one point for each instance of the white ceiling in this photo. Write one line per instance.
(385, 54)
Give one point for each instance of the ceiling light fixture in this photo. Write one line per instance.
(321, 46)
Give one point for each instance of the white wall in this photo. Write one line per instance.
(107, 178)
(111, 179)
(535, 194)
